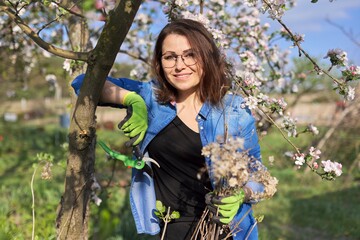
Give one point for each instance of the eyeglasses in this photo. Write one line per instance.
(169, 60)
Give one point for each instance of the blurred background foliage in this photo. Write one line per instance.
(304, 207)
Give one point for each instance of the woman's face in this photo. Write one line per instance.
(179, 63)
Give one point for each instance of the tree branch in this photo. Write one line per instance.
(346, 33)
(135, 56)
(82, 56)
(67, 6)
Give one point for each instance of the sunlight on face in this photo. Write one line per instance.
(185, 75)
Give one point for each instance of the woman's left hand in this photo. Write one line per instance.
(224, 208)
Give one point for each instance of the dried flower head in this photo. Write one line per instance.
(263, 176)
(46, 171)
(232, 168)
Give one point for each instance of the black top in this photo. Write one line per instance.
(177, 149)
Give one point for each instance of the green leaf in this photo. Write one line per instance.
(158, 214)
(88, 5)
(259, 218)
(160, 207)
(175, 215)
(314, 1)
(46, 2)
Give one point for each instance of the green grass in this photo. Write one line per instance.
(304, 207)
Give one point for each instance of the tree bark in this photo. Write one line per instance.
(73, 210)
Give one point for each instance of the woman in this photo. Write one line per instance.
(188, 107)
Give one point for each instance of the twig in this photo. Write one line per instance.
(252, 228)
(112, 174)
(135, 56)
(33, 203)
(350, 35)
(198, 226)
(281, 131)
(238, 223)
(166, 220)
(201, 6)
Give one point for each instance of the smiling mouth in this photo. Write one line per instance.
(184, 75)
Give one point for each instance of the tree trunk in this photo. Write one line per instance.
(73, 210)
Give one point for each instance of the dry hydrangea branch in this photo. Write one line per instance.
(231, 233)
(198, 226)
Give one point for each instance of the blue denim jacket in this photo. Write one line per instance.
(211, 122)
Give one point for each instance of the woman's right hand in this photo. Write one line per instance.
(135, 122)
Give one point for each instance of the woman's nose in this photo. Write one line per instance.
(179, 64)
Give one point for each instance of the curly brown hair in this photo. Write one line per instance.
(214, 82)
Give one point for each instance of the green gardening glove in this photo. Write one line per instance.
(224, 208)
(135, 122)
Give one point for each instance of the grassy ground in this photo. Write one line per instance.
(305, 207)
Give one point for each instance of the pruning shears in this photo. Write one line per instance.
(138, 163)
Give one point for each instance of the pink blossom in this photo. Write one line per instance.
(315, 153)
(332, 167)
(315, 165)
(355, 70)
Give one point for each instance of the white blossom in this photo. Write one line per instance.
(350, 93)
(332, 167)
(315, 153)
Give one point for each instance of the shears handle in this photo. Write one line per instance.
(137, 152)
(128, 161)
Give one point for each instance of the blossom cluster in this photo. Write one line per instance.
(289, 125)
(273, 104)
(329, 170)
(275, 8)
(337, 57)
(332, 168)
(351, 73)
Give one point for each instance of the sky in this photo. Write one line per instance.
(312, 20)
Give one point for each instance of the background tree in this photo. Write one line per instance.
(73, 212)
